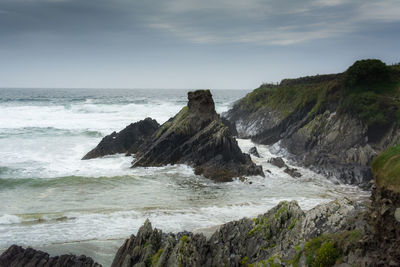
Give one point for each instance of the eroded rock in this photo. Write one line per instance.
(126, 141)
(196, 136)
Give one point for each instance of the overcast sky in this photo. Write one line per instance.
(189, 43)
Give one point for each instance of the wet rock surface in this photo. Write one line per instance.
(196, 136)
(126, 141)
(253, 151)
(278, 162)
(16, 256)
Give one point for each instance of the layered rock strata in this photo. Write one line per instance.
(196, 136)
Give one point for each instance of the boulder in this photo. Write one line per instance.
(253, 151)
(278, 162)
(292, 172)
(16, 256)
(126, 141)
(196, 136)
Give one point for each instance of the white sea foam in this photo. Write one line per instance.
(9, 219)
(49, 195)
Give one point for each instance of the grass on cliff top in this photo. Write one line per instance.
(386, 169)
(369, 90)
(286, 98)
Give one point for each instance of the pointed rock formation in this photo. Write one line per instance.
(126, 141)
(196, 136)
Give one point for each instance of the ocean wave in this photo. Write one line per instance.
(46, 131)
(6, 183)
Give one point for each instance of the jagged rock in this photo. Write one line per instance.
(276, 236)
(16, 256)
(126, 141)
(196, 136)
(253, 151)
(292, 172)
(278, 162)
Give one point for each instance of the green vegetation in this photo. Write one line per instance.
(244, 260)
(371, 93)
(321, 254)
(265, 263)
(179, 123)
(184, 239)
(369, 90)
(292, 224)
(156, 257)
(366, 72)
(288, 98)
(386, 169)
(326, 250)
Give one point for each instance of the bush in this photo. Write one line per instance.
(366, 72)
(371, 108)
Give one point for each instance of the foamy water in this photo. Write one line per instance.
(49, 196)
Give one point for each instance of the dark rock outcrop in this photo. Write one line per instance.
(253, 151)
(126, 141)
(278, 162)
(292, 172)
(16, 256)
(278, 236)
(196, 136)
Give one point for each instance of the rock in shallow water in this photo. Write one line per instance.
(126, 141)
(196, 136)
(253, 151)
(278, 162)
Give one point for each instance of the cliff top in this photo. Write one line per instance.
(369, 90)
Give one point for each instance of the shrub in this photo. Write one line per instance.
(366, 72)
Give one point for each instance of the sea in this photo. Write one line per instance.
(50, 199)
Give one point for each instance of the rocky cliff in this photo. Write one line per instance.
(196, 136)
(335, 124)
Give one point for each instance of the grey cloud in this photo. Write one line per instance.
(264, 22)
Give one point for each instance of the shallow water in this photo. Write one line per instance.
(49, 196)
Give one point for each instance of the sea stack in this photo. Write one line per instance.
(196, 136)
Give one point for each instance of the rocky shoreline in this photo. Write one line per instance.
(308, 116)
(339, 233)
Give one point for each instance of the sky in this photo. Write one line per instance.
(189, 44)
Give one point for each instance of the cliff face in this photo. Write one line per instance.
(196, 136)
(335, 124)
